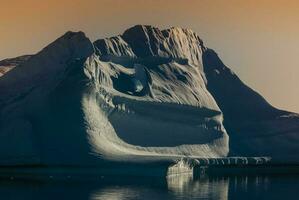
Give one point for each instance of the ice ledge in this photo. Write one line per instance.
(186, 165)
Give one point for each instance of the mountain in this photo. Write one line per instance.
(148, 95)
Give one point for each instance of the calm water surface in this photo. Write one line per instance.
(179, 187)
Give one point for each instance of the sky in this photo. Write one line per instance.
(257, 39)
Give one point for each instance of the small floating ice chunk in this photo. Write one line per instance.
(181, 167)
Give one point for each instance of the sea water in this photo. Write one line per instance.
(214, 186)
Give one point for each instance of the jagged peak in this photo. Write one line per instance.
(45, 66)
(140, 27)
(180, 29)
(186, 31)
(70, 38)
(70, 46)
(146, 41)
(72, 34)
(149, 28)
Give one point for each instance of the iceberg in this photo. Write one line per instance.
(146, 96)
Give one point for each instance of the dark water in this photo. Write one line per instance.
(178, 187)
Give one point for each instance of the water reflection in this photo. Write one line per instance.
(201, 188)
(176, 187)
(179, 183)
(117, 193)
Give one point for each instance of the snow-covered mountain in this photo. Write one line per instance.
(146, 95)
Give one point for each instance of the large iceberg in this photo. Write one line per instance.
(145, 96)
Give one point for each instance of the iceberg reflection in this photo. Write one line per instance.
(176, 187)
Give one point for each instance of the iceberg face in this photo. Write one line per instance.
(167, 118)
(153, 104)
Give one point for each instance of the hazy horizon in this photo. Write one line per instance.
(256, 39)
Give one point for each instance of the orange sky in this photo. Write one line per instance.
(258, 39)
